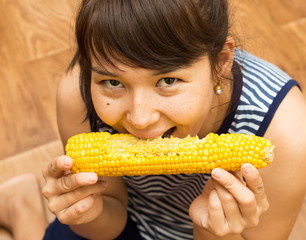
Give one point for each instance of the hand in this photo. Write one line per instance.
(228, 204)
(73, 198)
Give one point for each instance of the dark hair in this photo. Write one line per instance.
(151, 34)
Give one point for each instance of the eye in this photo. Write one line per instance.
(112, 83)
(165, 82)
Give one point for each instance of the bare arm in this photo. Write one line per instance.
(282, 183)
(285, 178)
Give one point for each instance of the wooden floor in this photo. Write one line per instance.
(36, 44)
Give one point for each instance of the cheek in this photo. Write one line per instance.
(193, 109)
(108, 110)
(196, 101)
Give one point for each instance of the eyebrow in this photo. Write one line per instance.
(155, 73)
(103, 72)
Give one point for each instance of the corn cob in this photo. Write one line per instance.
(123, 154)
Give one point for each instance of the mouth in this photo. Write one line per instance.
(168, 133)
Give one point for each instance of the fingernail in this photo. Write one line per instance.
(217, 173)
(91, 177)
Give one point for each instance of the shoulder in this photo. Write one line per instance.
(285, 178)
(287, 127)
(288, 130)
(71, 110)
(264, 87)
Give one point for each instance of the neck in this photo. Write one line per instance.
(220, 108)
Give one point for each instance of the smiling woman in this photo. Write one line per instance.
(171, 69)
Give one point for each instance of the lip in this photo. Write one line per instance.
(153, 134)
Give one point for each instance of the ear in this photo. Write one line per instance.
(226, 57)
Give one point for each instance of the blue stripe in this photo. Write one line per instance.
(259, 87)
(271, 71)
(255, 101)
(274, 106)
(156, 205)
(266, 75)
(160, 219)
(165, 183)
(249, 112)
(259, 65)
(242, 129)
(249, 120)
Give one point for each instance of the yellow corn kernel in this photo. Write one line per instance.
(124, 154)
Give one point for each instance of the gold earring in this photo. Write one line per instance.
(218, 89)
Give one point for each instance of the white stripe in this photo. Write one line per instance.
(271, 69)
(249, 116)
(260, 93)
(247, 124)
(264, 86)
(268, 78)
(249, 108)
(244, 131)
(143, 223)
(157, 229)
(275, 72)
(170, 233)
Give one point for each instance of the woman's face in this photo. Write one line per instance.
(148, 103)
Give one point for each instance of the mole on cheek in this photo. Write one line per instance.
(108, 104)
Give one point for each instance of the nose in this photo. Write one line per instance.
(142, 111)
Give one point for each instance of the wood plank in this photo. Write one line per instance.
(282, 12)
(28, 109)
(38, 28)
(264, 38)
(296, 32)
(35, 39)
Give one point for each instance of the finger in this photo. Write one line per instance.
(231, 209)
(66, 200)
(216, 221)
(253, 179)
(82, 211)
(243, 195)
(228, 180)
(239, 176)
(70, 182)
(255, 184)
(58, 166)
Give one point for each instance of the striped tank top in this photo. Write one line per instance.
(159, 204)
